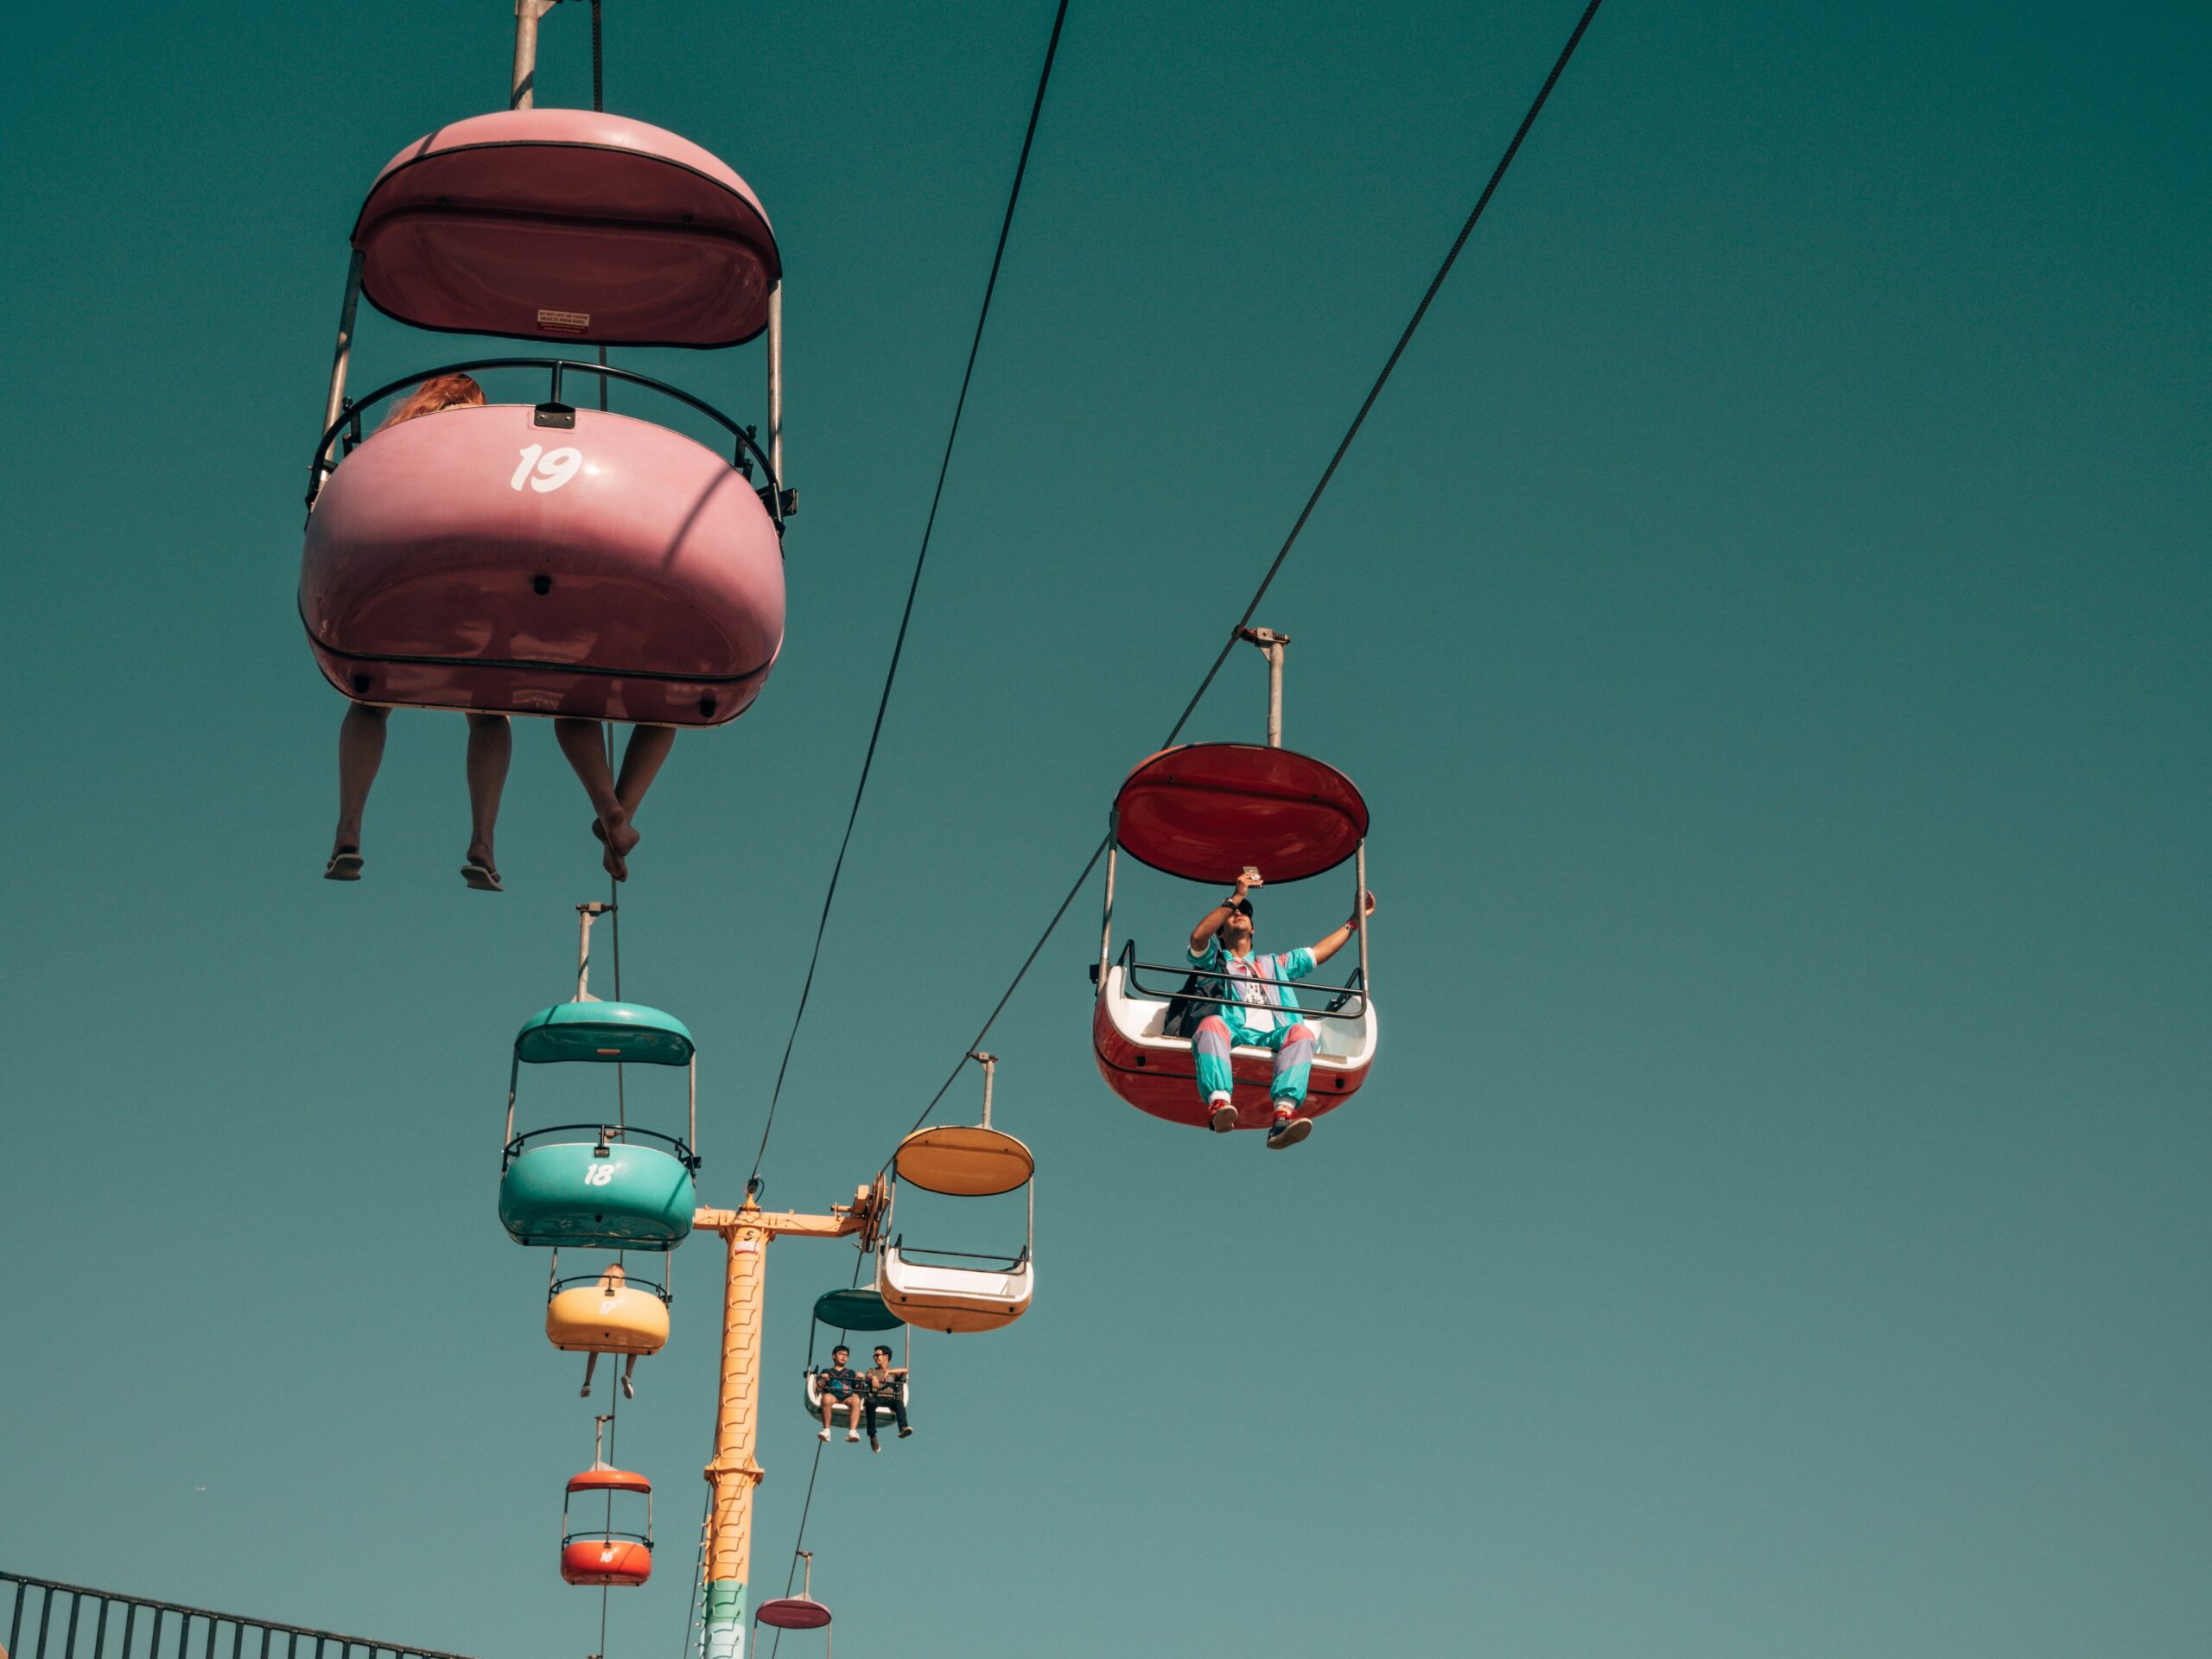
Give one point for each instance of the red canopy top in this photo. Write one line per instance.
(566, 223)
(1207, 810)
(601, 1479)
(793, 1613)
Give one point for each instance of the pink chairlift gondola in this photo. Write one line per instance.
(798, 1612)
(540, 558)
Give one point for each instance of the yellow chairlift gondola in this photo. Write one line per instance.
(955, 1291)
(609, 1311)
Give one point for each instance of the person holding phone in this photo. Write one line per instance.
(1264, 1013)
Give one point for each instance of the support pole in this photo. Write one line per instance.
(734, 1470)
(1106, 927)
(775, 384)
(1270, 643)
(585, 915)
(522, 92)
(990, 1064)
(341, 360)
(1359, 917)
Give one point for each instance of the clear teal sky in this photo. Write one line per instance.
(1768, 614)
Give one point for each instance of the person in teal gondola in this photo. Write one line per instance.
(1264, 1013)
(840, 1388)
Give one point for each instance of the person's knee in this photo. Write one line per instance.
(1215, 1026)
(1301, 1034)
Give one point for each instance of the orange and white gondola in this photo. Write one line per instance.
(956, 1291)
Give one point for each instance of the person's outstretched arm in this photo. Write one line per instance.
(1324, 949)
(1214, 917)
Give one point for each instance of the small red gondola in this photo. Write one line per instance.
(1205, 812)
(604, 1553)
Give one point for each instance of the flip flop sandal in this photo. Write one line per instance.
(343, 867)
(481, 876)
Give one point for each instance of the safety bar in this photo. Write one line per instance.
(1012, 1263)
(1342, 994)
(591, 1532)
(629, 1282)
(554, 412)
(604, 1132)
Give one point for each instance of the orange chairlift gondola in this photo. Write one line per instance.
(955, 1291)
(543, 558)
(600, 1553)
(1206, 812)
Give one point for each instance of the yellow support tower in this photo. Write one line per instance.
(736, 1470)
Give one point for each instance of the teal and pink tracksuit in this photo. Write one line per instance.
(1263, 1016)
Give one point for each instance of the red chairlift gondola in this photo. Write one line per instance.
(1206, 812)
(604, 1553)
(544, 559)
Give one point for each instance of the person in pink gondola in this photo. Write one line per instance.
(360, 735)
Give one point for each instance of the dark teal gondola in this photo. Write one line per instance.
(604, 1185)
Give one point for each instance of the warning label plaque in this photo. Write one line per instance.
(564, 322)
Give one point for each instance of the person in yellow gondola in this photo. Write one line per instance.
(611, 1286)
(360, 736)
(841, 1386)
(881, 1380)
(1264, 1013)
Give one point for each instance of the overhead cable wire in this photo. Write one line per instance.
(913, 587)
(1298, 526)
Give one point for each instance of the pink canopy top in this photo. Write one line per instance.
(566, 223)
(1205, 810)
(793, 1613)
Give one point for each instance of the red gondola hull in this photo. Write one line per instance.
(619, 1562)
(1164, 1081)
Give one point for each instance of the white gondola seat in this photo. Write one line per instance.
(955, 1300)
(877, 1409)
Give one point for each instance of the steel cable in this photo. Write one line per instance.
(913, 587)
(1298, 526)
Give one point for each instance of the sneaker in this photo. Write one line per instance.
(1289, 1129)
(852, 1435)
(629, 1390)
(825, 1434)
(904, 1433)
(1222, 1117)
(875, 1445)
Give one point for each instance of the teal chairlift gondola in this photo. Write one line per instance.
(610, 1185)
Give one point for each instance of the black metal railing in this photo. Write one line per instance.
(67, 1621)
(1341, 996)
(605, 1134)
(745, 439)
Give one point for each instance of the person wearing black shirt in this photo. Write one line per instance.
(841, 1386)
(882, 1382)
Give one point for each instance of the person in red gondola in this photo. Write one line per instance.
(1264, 1013)
(360, 736)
